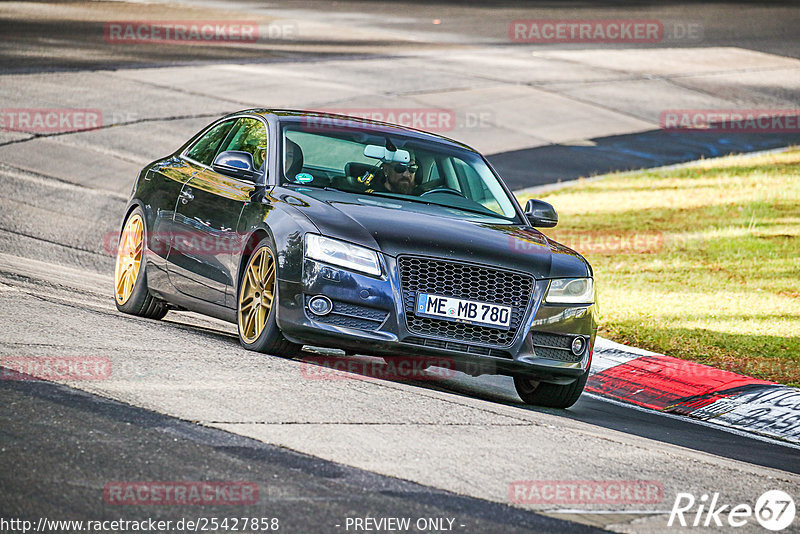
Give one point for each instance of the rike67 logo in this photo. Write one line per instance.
(774, 510)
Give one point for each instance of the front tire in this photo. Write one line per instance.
(531, 391)
(257, 304)
(130, 274)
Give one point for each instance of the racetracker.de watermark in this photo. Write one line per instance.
(196, 32)
(395, 368)
(731, 120)
(54, 368)
(595, 242)
(428, 119)
(597, 31)
(195, 243)
(561, 492)
(180, 493)
(690, 370)
(586, 31)
(49, 120)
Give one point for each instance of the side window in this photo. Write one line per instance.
(471, 182)
(248, 135)
(206, 147)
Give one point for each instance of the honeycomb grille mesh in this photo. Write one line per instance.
(362, 312)
(464, 281)
(554, 347)
(349, 322)
(350, 316)
(459, 347)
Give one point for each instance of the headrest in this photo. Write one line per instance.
(297, 163)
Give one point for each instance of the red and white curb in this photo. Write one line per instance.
(701, 392)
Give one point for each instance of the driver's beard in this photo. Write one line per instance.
(404, 186)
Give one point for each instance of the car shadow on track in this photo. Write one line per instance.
(331, 364)
(590, 409)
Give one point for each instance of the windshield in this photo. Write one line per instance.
(369, 162)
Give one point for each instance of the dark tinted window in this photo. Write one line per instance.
(248, 135)
(447, 176)
(206, 147)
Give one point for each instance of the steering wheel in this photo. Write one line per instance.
(444, 190)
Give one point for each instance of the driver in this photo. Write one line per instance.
(399, 177)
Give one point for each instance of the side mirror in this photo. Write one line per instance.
(235, 163)
(541, 214)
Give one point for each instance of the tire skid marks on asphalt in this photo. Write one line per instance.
(672, 385)
(771, 410)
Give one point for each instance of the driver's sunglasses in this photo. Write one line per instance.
(400, 168)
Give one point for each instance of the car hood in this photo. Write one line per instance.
(398, 227)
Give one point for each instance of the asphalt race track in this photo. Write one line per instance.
(184, 402)
(306, 493)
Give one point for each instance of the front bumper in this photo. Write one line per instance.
(369, 317)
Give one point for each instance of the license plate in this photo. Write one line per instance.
(464, 311)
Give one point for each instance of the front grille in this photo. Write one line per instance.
(348, 322)
(554, 347)
(464, 281)
(354, 310)
(458, 347)
(350, 316)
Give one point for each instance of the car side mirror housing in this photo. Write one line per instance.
(236, 163)
(541, 214)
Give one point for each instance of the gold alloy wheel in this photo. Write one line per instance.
(255, 298)
(129, 258)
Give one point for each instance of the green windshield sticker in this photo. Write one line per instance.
(303, 178)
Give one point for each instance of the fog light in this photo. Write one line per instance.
(320, 305)
(578, 344)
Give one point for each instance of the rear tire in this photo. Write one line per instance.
(130, 273)
(531, 391)
(257, 305)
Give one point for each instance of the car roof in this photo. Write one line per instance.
(296, 115)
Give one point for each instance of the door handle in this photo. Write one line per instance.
(186, 196)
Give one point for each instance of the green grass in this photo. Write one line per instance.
(709, 266)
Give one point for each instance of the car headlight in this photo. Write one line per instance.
(570, 291)
(343, 254)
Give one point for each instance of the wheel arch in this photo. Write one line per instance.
(285, 227)
(132, 205)
(256, 236)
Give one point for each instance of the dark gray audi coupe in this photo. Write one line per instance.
(326, 230)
